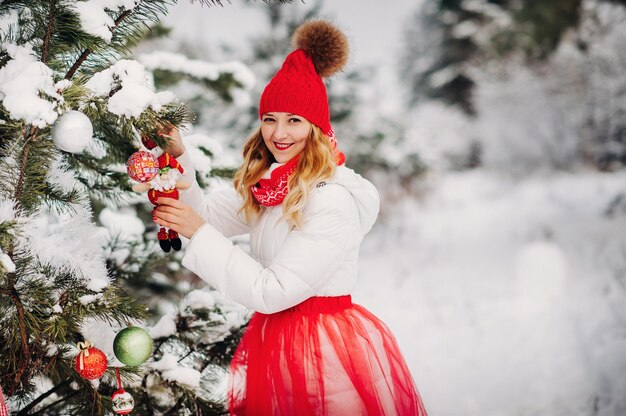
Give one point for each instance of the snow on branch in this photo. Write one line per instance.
(67, 242)
(94, 18)
(6, 262)
(130, 87)
(7, 210)
(172, 372)
(174, 62)
(25, 83)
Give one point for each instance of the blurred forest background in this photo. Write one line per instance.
(495, 132)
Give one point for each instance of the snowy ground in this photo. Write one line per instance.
(505, 295)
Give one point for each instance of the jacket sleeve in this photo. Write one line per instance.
(303, 264)
(220, 208)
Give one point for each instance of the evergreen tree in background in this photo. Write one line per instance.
(71, 114)
(555, 68)
(449, 36)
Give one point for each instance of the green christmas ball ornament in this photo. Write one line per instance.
(132, 346)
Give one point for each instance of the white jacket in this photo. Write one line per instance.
(286, 266)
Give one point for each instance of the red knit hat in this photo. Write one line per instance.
(321, 50)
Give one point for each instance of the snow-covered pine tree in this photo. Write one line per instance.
(70, 115)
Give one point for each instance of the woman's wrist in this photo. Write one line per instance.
(176, 151)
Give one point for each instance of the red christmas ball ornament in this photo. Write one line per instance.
(142, 166)
(91, 363)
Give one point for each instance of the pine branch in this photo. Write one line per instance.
(51, 405)
(46, 40)
(19, 306)
(23, 331)
(20, 180)
(88, 51)
(35, 402)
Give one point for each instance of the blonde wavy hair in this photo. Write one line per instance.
(316, 164)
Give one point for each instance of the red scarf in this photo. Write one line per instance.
(273, 191)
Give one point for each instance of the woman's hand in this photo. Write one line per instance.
(175, 146)
(172, 213)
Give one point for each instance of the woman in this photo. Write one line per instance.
(308, 350)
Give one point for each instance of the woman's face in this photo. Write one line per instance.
(284, 134)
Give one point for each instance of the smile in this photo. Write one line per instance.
(282, 146)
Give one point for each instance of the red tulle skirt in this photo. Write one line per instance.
(325, 356)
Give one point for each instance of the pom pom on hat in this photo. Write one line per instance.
(326, 45)
(321, 50)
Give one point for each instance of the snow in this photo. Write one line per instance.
(94, 18)
(504, 293)
(443, 76)
(196, 142)
(136, 89)
(23, 80)
(7, 212)
(171, 371)
(540, 276)
(87, 299)
(62, 84)
(241, 98)
(524, 123)
(8, 22)
(122, 223)
(61, 177)
(6, 262)
(465, 29)
(499, 16)
(439, 135)
(67, 242)
(164, 328)
(134, 99)
(175, 62)
(198, 299)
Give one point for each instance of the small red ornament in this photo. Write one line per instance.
(91, 363)
(142, 166)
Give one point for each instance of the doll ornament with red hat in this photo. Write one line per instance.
(308, 349)
(164, 184)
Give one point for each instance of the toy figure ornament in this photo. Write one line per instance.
(164, 184)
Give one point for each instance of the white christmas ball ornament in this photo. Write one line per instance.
(123, 403)
(72, 131)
